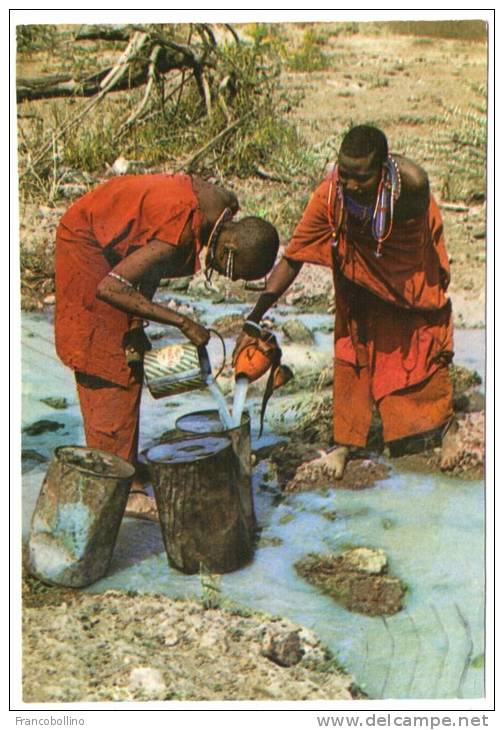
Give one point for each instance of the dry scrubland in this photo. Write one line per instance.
(302, 86)
(305, 85)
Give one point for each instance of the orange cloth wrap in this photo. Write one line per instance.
(97, 232)
(110, 414)
(393, 327)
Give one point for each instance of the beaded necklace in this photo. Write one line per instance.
(225, 216)
(381, 216)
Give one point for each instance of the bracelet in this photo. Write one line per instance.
(121, 279)
(251, 325)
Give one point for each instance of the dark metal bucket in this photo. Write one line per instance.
(77, 516)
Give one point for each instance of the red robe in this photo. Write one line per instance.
(99, 230)
(393, 316)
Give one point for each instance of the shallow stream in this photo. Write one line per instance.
(431, 527)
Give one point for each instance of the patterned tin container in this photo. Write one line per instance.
(176, 368)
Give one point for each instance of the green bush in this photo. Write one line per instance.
(309, 56)
(31, 38)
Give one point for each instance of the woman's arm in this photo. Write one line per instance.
(415, 193)
(144, 266)
(279, 281)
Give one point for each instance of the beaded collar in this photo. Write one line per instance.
(380, 216)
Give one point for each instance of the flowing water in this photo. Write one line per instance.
(220, 400)
(431, 527)
(239, 398)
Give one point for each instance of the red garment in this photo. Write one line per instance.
(393, 317)
(110, 414)
(414, 410)
(97, 232)
(412, 273)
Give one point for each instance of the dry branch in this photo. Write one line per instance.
(187, 165)
(457, 207)
(152, 77)
(266, 175)
(104, 33)
(171, 56)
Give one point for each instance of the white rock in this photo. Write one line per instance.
(148, 680)
(121, 166)
(365, 560)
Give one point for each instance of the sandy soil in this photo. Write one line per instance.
(121, 647)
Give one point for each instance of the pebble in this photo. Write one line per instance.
(297, 331)
(282, 645)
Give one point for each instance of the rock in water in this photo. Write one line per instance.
(357, 579)
(229, 325)
(296, 331)
(57, 403)
(32, 455)
(35, 429)
(314, 474)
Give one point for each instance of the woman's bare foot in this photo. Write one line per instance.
(450, 447)
(333, 462)
(141, 506)
(336, 461)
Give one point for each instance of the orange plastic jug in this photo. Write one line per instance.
(256, 358)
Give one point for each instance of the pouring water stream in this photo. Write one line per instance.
(240, 396)
(218, 396)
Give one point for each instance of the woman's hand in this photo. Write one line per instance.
(194, 332)
(243, 340)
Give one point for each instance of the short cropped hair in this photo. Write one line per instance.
(258, 244)
(363, 140)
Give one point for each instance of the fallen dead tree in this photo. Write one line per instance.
(169, 55)
(194, 95)
(148, 56)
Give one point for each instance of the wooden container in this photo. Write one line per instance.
(195, 481)
(209, 423)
